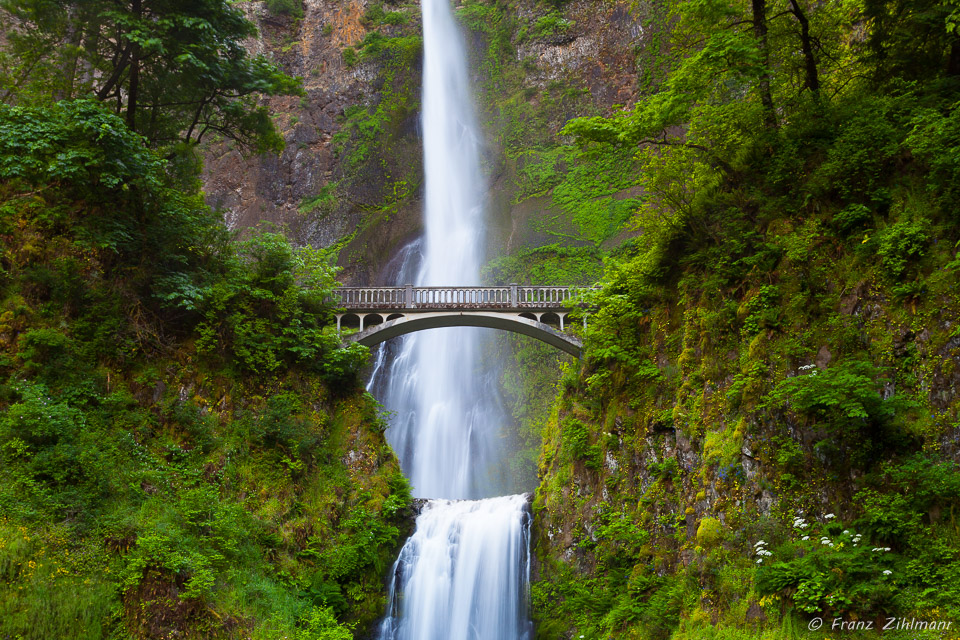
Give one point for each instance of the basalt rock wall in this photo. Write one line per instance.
(350, 177)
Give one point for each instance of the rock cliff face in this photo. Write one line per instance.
(274, 189)
(350, 177)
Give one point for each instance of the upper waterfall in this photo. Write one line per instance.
(453, 216)
(448, 414)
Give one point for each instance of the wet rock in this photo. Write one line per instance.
(823, 357)
(755, 613)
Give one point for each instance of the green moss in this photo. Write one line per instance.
(709, 533)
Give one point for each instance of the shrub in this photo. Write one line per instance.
(551, 25)
(845, 400)
(285, 7)
(901, 244)
(576, 443)
(851, 219)
(828, 568)
(271, 307)
(709, 533)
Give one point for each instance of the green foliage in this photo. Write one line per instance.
(43, 435)
(551, 25)
(76, 151)
(174, 408)
(286, 7)
(793, 175)
(850, 388)
(322, 203)
(269, 310)
(868, 139)
(375, 15)
(763, 310)
(845, 400)
(576, 444)
(852, 219)
(363, 129)
(546, 265)
(177, 70)
(935, 140)
(900, 244)
(842, 578)
(665, 469)
(76, 143)
(320, 624)
(709, 533)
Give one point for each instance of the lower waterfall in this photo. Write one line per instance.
(463, 574)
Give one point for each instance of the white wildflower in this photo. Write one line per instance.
(805, 538)
(887, 572)
(829, 516)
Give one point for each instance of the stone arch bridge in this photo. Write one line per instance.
(382, 313)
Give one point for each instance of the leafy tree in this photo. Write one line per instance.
(176, 70)
(914, 38)
(75, 152)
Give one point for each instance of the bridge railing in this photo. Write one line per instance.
(409, 297)
(371, 297)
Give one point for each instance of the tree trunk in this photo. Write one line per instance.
(953, 63)
(71, 55)
(134, 88)
(760, 33)
(114, 78)
(806, 45)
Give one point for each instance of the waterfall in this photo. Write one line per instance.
(448, 417)
(464, 573)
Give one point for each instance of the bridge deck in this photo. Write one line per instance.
(409, 297)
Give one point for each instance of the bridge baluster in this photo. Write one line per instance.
(514, 296)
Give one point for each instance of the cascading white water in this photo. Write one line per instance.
(448, 415)
(464, 573)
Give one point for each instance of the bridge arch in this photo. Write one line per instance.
(507, 322)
